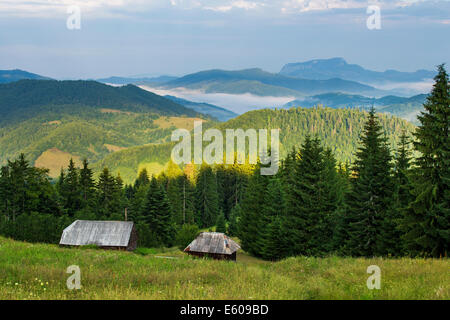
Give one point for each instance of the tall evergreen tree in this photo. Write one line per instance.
(251, 206)
(156, 213)
(221, 224)
(87, 185)
(110, 196)
(369, 203)
(272, 236)
(235, 215)
(303, 200)
(206, 197)
(427, 220)
(72, 195)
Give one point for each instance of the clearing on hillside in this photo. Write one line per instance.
(55, 159)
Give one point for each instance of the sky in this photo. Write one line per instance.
(176, 37)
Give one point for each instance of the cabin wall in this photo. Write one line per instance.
(132, 244)
(231, 257)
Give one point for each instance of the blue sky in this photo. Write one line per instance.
(132, 37)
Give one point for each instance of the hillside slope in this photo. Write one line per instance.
(405, 108)
(38, 271)
(219, 113)
(26, 97)
(54, 120)
(339, 130)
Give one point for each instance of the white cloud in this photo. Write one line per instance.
(47, 8)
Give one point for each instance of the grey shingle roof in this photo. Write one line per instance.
(213, 242)
(101, 233)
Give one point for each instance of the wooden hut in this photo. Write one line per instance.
(213, 244)
(119, 235)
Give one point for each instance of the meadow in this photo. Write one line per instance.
(38, 271)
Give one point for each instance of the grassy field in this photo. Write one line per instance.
(37, 271)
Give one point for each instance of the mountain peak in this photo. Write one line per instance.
(17, 74)
(324, 69)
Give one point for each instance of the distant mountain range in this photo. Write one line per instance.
(140, 80)
(219, 113)
(322, 69)
(330, 82)
(262, 83)
(406, 108)
(7, 76)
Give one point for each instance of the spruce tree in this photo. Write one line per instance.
(142, 179)
(108, 196)
(233, 226)
(87, 185)
(330, 193)
(221, 225)
(156, 213)
(251, 207)
(206, 197)
(73, 193)
(427, 219)
(272, 239)
(370, 201)
(303, 200)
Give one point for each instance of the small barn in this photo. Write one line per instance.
(119, 235)
(213, 244)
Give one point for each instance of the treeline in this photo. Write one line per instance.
(168, 209)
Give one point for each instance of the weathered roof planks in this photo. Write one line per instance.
(215, 244)
(109, 234)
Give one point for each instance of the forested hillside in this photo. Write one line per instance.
(25, 98)
(339, 129)
(53, 121)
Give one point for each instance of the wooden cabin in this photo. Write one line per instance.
(213, 244)
(119, 235)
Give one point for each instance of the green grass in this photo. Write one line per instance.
(38, 271)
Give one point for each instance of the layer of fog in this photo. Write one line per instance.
(239, 103)
(406, 89)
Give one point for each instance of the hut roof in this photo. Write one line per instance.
(101, 233)
(213, 242)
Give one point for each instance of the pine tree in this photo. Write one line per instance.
(156, 213)
(109, 198)
(233, 226)
(402, 173)
(273, 242)
(72, 196)
(221, 225)
(331, 195)
(427, 220)
(303, 200)
(370, 201)
(339, 219)
(87, 185)
(206, 197)
(251, 207)
(142, 179)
